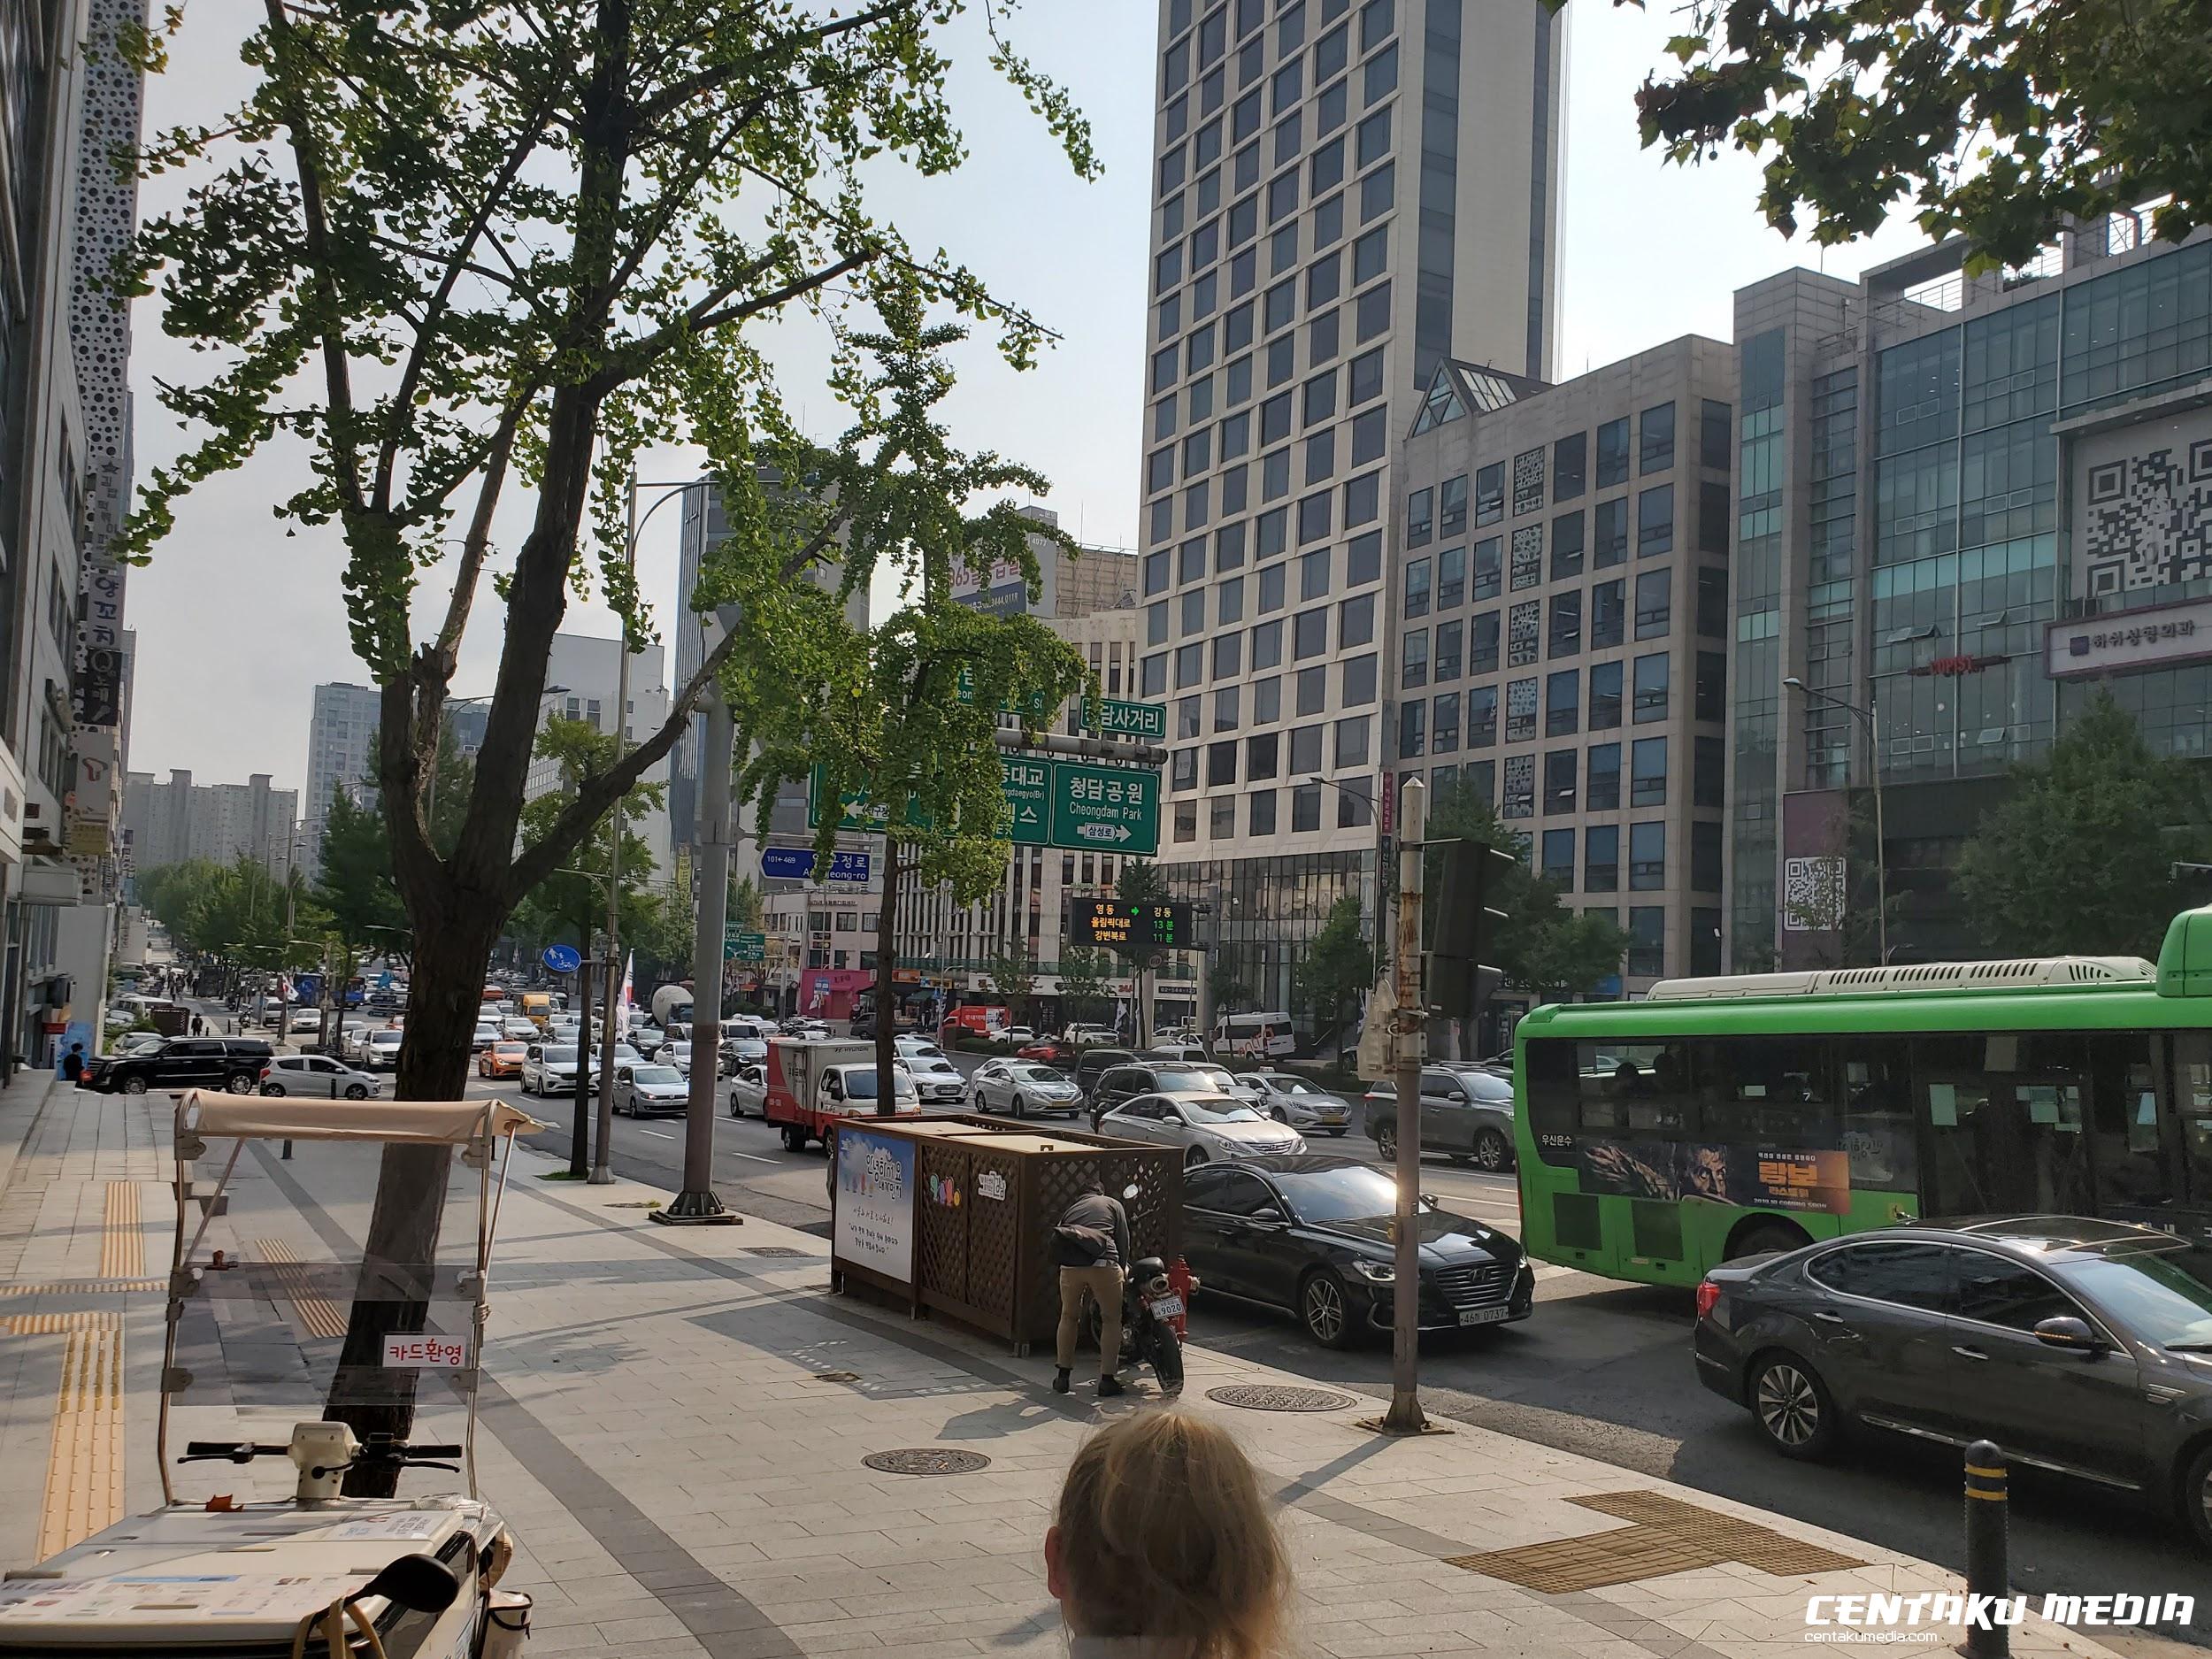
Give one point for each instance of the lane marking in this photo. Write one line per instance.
(656, 1134)
(756, 1157)
(122, 1247)
(84, 1469)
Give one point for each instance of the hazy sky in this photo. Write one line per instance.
(237, 621)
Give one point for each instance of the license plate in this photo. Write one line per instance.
(1483, 1315)
(1165, 1307)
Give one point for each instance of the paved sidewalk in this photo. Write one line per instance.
(675, 1421)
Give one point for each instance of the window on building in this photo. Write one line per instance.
(1647, 857)
(1305, 751)
(1490, 493)
(1562, 702)
(1613, 453)
(1351, 742)
(1654, 521)
(1705, 857)
(1608, 533)
(1356, 621)
(1708, 772)
(1654, 603)
(1604, 763)
(1489, 576)
(1362, 559)
(1320, 455)
(1358, 680)
(1305, 807)
(1309, 633)
(1378, 193)
(1267, 700)
(1569, 458)
(1566, 623)
(1267, 644)
(1417, 601)
(1444, 726)
(1655, 439)
(1260, 756)
(1482, 717)
(1711, 690)
(1559, 781)
(1413, 657)
(1225, 708)
(1363, 377)
(1228, 650)
(1420, 515)
(1372, 310)
(1566, 546)
(1714, 449)
(1482, 649)
(1260, 815)
(1712, 603)
(1650, 678)
(1446, 662)
(1609, 621)
(1602, 858)
(1313, 690)
(1315, 517)
(1712, 516)
(1647, 940)
(1647, 772)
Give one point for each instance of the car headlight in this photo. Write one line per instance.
(1376, 1272)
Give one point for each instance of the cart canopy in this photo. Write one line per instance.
(451, 1123)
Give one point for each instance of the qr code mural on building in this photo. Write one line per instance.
(1528, 480)
(1812, 895)
(1523, 625)
(1528, 556)
(2147, 509)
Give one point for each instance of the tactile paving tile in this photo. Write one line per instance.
(1665, 1535)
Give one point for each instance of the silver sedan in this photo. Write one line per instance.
(1024, 1087)
(1297, 1101)
(749, 1091)
(1208, 1127)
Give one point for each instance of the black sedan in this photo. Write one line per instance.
(1312, 1234)
(2080, 1346)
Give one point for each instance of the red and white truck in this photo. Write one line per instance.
(814, 1082)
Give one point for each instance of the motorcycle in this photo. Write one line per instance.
(1154, 1316)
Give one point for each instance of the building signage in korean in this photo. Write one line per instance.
(1110, 717)
(2123, 642)
(875, 1203)
(96, 687)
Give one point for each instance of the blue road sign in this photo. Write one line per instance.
(796, 863)
(561, 958)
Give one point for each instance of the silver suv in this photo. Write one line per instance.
(1466, 1114)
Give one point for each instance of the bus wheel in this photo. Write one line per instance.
(1761, 1238)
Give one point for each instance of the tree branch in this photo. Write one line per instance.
(629, 363)
(475, 545)
(678, 94)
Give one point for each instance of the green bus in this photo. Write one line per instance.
(1722, 1117)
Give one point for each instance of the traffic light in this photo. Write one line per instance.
(1462, 934)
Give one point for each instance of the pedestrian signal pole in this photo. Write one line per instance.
(1409, 1022)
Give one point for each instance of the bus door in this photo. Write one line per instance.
(2184, 1109)
(2004, 1116)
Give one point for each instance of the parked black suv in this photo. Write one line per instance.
(226, 1063)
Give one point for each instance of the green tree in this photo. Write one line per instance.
(481, 258)
(904, 716)
(1140, 883)
(1225, 988)
(2003, 122)
(1013, 981)
(1540, 945)
(1337, 967)
(2077, 859)
(745, 906)
(1084, 976)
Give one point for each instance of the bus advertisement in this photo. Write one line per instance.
(1725, 1117)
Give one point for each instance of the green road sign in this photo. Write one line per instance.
(1105, 809)
(1027, 782)
(858, 815)
(738, 946)
(1036, 705)
(1110, 717)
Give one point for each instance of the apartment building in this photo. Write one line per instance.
(1562, 628)
(1346, 196)
(342, 729)
(171, 822)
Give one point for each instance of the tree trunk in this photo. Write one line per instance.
(886, 978)
(390, 1297)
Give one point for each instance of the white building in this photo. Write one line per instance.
(341, 754)
(588, 669)
(169, 823)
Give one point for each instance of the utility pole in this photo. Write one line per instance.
(697, 1204)
(1409, 1023)
(601, 1175)
(579, 1133)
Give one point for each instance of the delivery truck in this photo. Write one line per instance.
(814, 1082)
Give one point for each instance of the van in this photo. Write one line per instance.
(1261, 1036)
(535, 1006)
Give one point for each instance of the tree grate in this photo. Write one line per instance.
(926, 1460)
(1274, 1397)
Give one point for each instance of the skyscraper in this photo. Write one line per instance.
(341, 754)
(1344, 198)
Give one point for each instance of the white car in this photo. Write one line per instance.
(1024, 1087)
(304, 1019)
(936, 1079)
(645, 1091)
(318, 1076)
(548, 1068)
(488, 1032)
(516, 1029)
(1174, 1049)
(1208, 1127)
(381, 1048)
(1019, 1036)
(674, 1054)
(749, 1091)
(1297, 1101)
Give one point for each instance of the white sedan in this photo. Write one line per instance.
(305, 1019)
(1023, 1087)
(1207, 1126)
(936, 1079)
(1297, 1101)
(642, 1091)
(749, 1092)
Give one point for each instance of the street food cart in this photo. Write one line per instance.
(955, 1214)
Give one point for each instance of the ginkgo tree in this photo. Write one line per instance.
(469, 262)
(903, 718)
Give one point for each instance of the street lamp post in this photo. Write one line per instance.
(1870, 715)
(601, 1175)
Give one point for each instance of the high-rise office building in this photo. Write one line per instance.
(340, 755)
(1345, 196)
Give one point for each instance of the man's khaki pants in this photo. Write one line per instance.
(1103, 1282)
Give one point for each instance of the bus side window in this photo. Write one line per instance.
(1553, 1100)
(2192, 1106)
(1755, 1091)
(1876, 1077)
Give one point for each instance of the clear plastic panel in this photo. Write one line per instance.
(280, 1318)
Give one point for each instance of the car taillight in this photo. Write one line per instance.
(1708, 1298)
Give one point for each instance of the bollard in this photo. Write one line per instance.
(1985, 1566)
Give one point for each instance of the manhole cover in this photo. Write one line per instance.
(926, 1460)
(1268, 1397)
(781, 1251)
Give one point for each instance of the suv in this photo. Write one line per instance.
(1092, 1063)
(1466, 1113)
(224, 1063)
